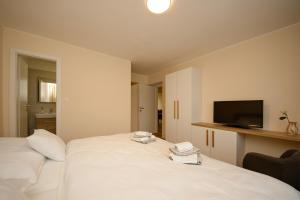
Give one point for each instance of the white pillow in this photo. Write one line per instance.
(9, 192)
(21, 166)
(48, 144)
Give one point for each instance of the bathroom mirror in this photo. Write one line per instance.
(47, 91)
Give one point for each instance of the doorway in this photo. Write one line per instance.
(36, 94)
(147, 108)
(159, 108)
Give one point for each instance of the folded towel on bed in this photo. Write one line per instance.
(195, 150)
(194, 159)
(144, 140)
(184, 146)
(139, 134)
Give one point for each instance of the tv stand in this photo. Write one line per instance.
(251, 131)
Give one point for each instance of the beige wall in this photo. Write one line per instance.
(1, 80)
(266, 67)
(95, 88)
(139, 78)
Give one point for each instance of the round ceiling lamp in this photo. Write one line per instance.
(158, 6)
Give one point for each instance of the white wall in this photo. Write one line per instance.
(266, 67)
(139, 78)
(95, 88)
(134, 107)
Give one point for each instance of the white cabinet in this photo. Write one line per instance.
(219, 144)
(182, 104)
(201, 139)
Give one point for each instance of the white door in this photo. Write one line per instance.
(170, 112)
(184, 105)
(147, 108)
(224, 145)
(201, 139)
(23, 97)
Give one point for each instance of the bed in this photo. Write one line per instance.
(48, 184)
(114, 167)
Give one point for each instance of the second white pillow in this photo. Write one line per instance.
(48, 144)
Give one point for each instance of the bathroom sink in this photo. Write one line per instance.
(45, 115)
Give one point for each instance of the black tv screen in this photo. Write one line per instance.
(239, 113)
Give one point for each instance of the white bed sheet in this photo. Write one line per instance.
(14, 144)
(50, 178)
(114, 167)
(49, 182)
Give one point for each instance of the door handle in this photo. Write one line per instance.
(141, 109)
(207, 137)
(177, 109)
(213, 139)
(174, 109)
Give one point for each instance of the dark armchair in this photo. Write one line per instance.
(286, 168)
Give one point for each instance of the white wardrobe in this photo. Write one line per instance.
(183, 101)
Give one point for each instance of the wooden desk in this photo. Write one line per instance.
(255, 132)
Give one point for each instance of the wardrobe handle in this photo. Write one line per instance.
(174, 109)
(177, 109)
(206, 137)
(213, 139)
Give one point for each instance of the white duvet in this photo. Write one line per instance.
(115, 168)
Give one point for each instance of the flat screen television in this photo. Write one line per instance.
(245, 114)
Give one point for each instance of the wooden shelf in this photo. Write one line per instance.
(255, 132)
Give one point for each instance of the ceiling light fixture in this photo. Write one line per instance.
(158, 6)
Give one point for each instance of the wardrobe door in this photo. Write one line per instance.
(170, 113)
(183, 105)
(201, 139)
(224, 145)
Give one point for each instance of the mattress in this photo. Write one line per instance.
(114, 167)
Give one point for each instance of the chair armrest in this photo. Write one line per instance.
(264, 164)
(288, 153)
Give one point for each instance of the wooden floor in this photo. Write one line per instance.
(159, 130)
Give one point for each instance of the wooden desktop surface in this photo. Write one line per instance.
(255, 132)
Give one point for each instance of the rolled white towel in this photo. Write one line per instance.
(142, 134)
(186, 153)
(190, 159)
(184, 146)
(144, 140)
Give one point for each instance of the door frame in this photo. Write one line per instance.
(14, 110)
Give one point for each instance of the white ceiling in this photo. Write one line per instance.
(125, 28)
